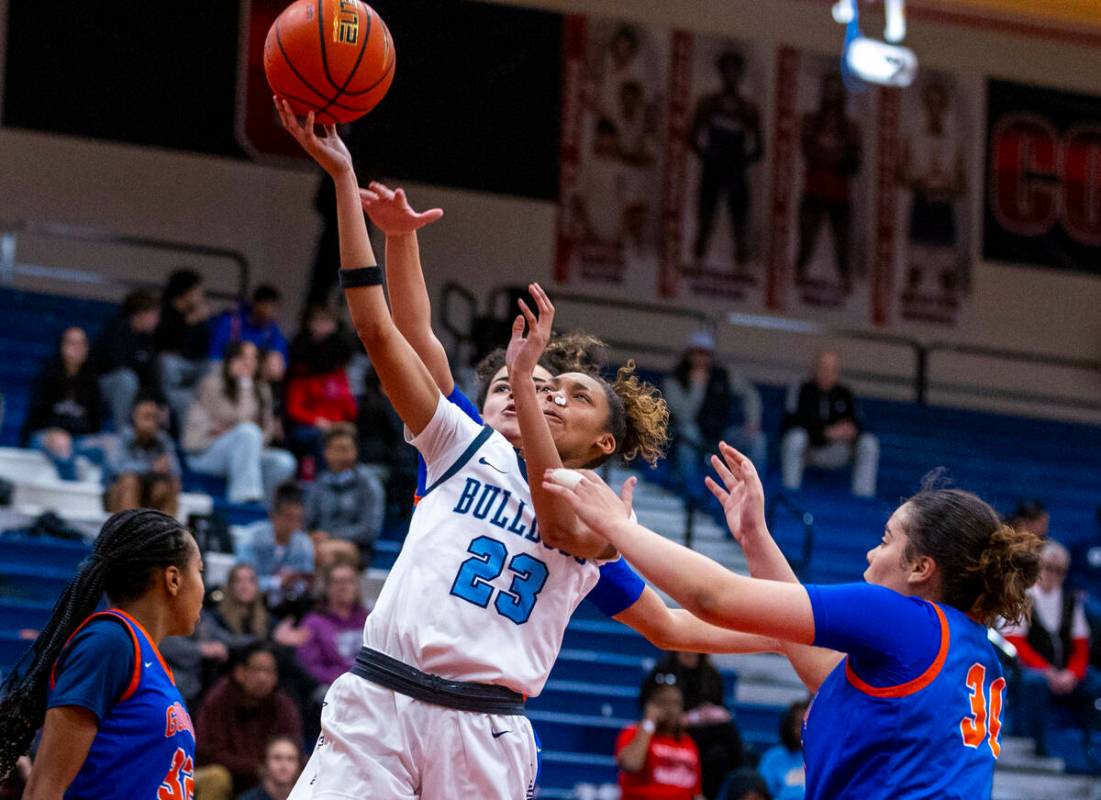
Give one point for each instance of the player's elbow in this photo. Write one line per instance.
(706, 603)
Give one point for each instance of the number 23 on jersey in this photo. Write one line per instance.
(983, 724)
(487, 562)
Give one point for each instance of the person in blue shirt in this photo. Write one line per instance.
(620, 593)
(255, 322)
(910, 694)
(114, 726)
(279, 549)
(782, 766)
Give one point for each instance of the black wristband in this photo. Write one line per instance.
(364, 276)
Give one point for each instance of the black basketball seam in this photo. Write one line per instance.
(306, 83)
(355, 67)
(390, 67)
(288, 96)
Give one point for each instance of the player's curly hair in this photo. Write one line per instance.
(638, 416)
(569, 352)
(131, 545)
(986, 566)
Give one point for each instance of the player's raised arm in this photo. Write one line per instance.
(677, 629)
(558, 524)
(403, 375)
(391, 213)
(700, 585)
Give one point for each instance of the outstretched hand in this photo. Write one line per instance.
(741, 495)
(390, 211)
(524, 350)
(594, 502)
(329, 150)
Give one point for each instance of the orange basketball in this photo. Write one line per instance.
(333, 57)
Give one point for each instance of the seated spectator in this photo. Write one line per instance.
(706, 718)
(656, 758)
(346, 503)
(782, 766)
(823, 430)
(255, 322)
(708, 404)
(66, 409)
(273, 371)
(189, 658)
(336, 629)
(1031, 515)
(182, 339)
(318, 394)
(279, 549)
(125, 355)
(242, 711)
(745, 784)
(229, 426)
(143, 469)
(1054, 652)
(240, 618)
(282, 765)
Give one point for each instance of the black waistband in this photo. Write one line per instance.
(398, 676)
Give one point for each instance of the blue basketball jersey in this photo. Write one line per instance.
(934, 736)
(145, 746)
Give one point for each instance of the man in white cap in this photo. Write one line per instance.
(708, 404)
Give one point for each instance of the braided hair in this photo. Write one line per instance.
(131, 545)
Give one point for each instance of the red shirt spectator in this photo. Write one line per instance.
(320, 398)
(657, 760)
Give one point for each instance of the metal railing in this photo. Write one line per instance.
(10, 266)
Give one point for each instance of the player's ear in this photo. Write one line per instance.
(922, 570)
(173, 578)
(606, 443)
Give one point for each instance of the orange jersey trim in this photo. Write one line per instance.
(918, 683)
(135, 675)
(152, 643)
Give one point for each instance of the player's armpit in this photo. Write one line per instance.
(812, 664)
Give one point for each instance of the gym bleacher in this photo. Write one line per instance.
(593, 689)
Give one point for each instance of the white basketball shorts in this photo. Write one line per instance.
(376, 743)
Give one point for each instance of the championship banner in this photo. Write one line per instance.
(614, 117)
(1043, 177)
(927, 168)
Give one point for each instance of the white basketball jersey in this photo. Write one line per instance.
(475, 595)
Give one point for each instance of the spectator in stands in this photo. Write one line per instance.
(242, 711)
(708, 404)
(240, 618)
(706, 718)
(346, 504)
(1031, 515)
(182, 339)
(1053, 650)
(144, 471)
(823, 430)
(336, 629)
(230, 425)
(746, 784)
(125, 355)
(255, 322)
(318, 394)
(656, 758)
(273, 371)
(66, 408)
(282, 764)
(782, 766)
(279, 549)
(189, 658)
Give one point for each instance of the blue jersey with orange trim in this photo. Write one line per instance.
(933, 735)
(145, 746)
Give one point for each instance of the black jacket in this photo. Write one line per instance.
(119, 346)
(70, 402)
(817, 410)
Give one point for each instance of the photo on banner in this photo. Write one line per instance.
(821, 201)
(614, 109)
(927, 158)
(716, 153)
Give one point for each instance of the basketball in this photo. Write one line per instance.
(333, 57)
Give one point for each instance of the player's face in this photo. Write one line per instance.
(887, 561)
(576, 409)
(499, 410)
(188, 601)
(282, 763)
